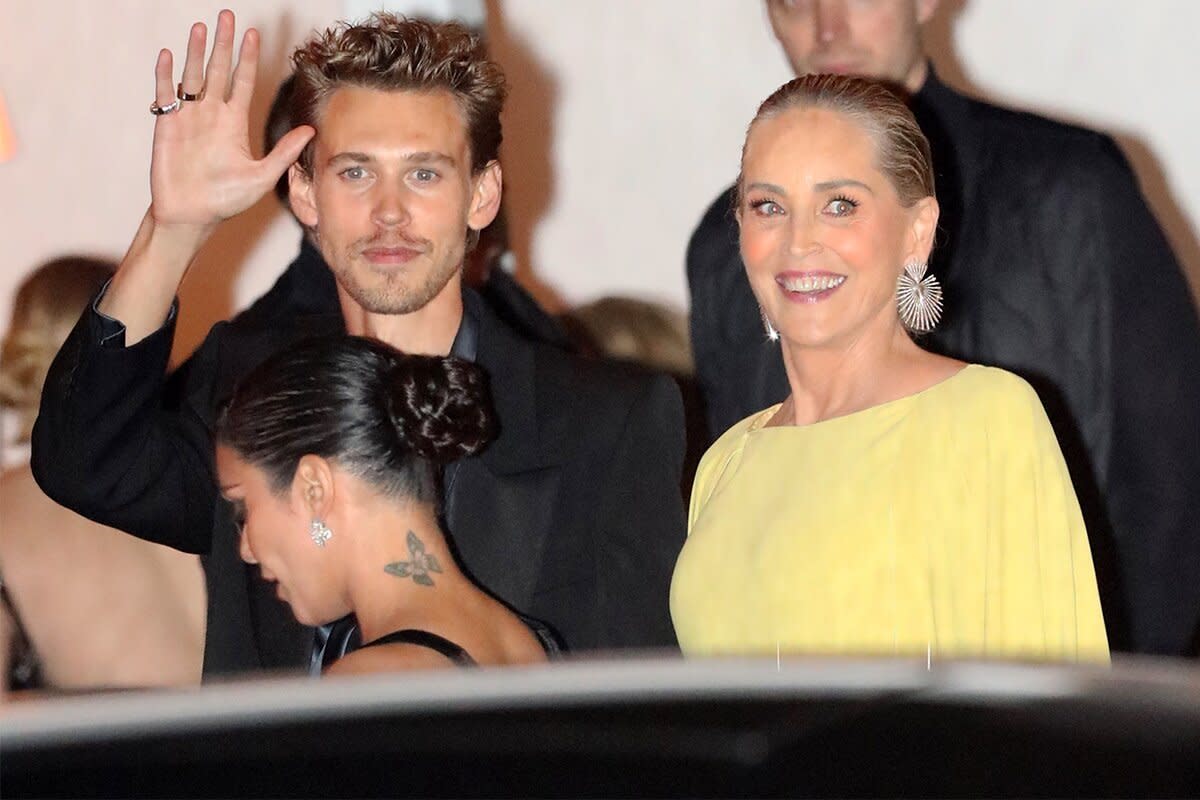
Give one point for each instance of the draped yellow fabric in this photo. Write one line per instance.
(942, 523)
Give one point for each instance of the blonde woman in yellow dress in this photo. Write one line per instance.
(897, 502)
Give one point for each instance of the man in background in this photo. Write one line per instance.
(1053, 267)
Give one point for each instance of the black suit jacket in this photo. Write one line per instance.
(1054, 268)
(572, 515)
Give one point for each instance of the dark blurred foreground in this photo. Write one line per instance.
(661, 728)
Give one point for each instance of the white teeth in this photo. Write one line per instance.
(813, 283)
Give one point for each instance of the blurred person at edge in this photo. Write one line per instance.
(571, 515)
(1054, 268)
(89, 606)
(897, 502)
(329, 453)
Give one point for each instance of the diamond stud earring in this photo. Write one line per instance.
(320, 532)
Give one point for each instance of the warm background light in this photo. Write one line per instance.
(8, 142)
(624, 121)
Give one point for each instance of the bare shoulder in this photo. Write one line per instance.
(28, 513)
(387, 658)
(23, 502)
(15, 480)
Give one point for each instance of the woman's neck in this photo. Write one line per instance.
(404, 575)
(841, 378)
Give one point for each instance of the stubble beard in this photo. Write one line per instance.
(397, 292)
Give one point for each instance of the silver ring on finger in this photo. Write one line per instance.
(158, 110)
(188, 97)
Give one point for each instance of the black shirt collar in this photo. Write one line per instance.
(466, 341)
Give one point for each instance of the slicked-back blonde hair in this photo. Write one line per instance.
(901, 149)
(392, 53)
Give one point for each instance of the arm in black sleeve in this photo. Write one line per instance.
(641, 522)
(103, 446)
(1153, 501)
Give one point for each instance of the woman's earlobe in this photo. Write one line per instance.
(313, 484)
(924, 228)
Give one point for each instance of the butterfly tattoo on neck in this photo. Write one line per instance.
(419, 566)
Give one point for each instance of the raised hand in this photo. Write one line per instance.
(201, 173)
(202, 170)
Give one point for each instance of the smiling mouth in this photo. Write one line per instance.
(809, 288)
(810, 284)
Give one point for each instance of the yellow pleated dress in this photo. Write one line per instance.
(940, 524)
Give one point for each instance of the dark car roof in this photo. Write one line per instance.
(652, 728)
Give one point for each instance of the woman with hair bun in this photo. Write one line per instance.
(330, 455)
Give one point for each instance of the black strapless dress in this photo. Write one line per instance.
(344, 637)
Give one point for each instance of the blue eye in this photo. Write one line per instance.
(354, 173)
(425, 175)
(841, 206)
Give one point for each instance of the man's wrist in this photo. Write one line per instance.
(109, 331)
(174, 241)
(144, 287)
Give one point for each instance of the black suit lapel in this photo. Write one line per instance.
(501, 506)
(500, 526)
(510, 364)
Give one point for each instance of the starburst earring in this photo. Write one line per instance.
(772, 334)
(918, 298)
(319, 532)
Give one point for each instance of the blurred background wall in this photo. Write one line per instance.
(625, 121)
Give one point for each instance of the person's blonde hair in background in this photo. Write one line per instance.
(44, 310)
(629, 329)
(100, 607)
(651, 335)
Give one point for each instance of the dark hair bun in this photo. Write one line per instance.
(440, 407)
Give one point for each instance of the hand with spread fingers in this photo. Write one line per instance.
(202, 170)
